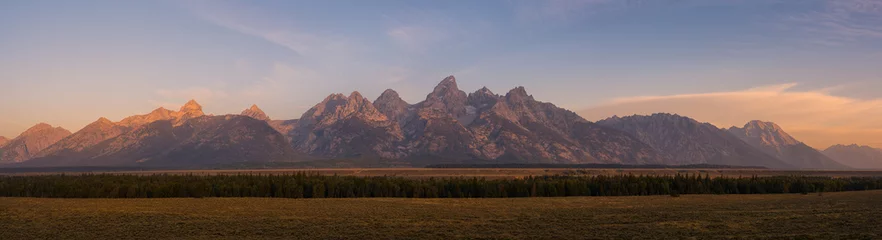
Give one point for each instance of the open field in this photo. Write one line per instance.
(494, 173)
(846, 215)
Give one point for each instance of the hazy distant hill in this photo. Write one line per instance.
(856, 156)
(770, 138)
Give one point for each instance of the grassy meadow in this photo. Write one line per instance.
(843, 215)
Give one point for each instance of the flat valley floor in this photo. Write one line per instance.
(846, 215)
(489, 173)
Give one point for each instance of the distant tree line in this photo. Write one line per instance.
(591, 166)
(303, 185)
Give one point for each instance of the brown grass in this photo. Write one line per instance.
(847, 215)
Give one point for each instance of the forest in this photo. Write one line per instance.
(306, 185)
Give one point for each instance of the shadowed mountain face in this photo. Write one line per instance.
(197, 141)
(31, 142)
(856, 156)
(771, 139)
(689, 142)
(342, 126)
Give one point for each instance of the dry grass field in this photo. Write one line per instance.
(494, 173)
(846, 215)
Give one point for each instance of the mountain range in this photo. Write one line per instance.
(449, 126)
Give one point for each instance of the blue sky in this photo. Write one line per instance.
(69, 62)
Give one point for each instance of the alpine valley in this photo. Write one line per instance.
(449, 126)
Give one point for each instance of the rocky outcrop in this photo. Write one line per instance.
(864, 157)
(687, 141)
(31, 142)
(342, 126)
(771, 139)
(3, 141)
(256, 113)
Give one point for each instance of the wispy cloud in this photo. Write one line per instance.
(280, 31)
(417, 38)
(841, 21)
(816, 117)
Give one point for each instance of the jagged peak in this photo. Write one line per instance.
(446, 85)
(518, 93)
(355, 95)
(190, 106)
(255, 112)
(334, 96)
(389, 93)
(485, 91)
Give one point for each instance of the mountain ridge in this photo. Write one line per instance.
(449, 126)
(773, 140)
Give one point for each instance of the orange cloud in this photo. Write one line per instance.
(815, 117)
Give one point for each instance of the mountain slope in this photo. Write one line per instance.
(196, 141)
(689, 142)
(3, 141)
(342, 126)
(856, 156)
(90, 135)
(31, 142)
(770, 138)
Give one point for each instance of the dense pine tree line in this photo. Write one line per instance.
(302, 185)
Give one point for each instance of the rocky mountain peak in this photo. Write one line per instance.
(104, 120)
(356, 97)
(101, 122)
(757, 124)
(518, 94)
(192, 108)
(389, 94)
(771, 139)
(764, 133)
(255, 112)
(391, 105)
(482, 98)
(3, 141)
(31, 142)
(447, 97)
(39, 127)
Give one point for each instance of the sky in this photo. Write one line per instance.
(812, 66)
